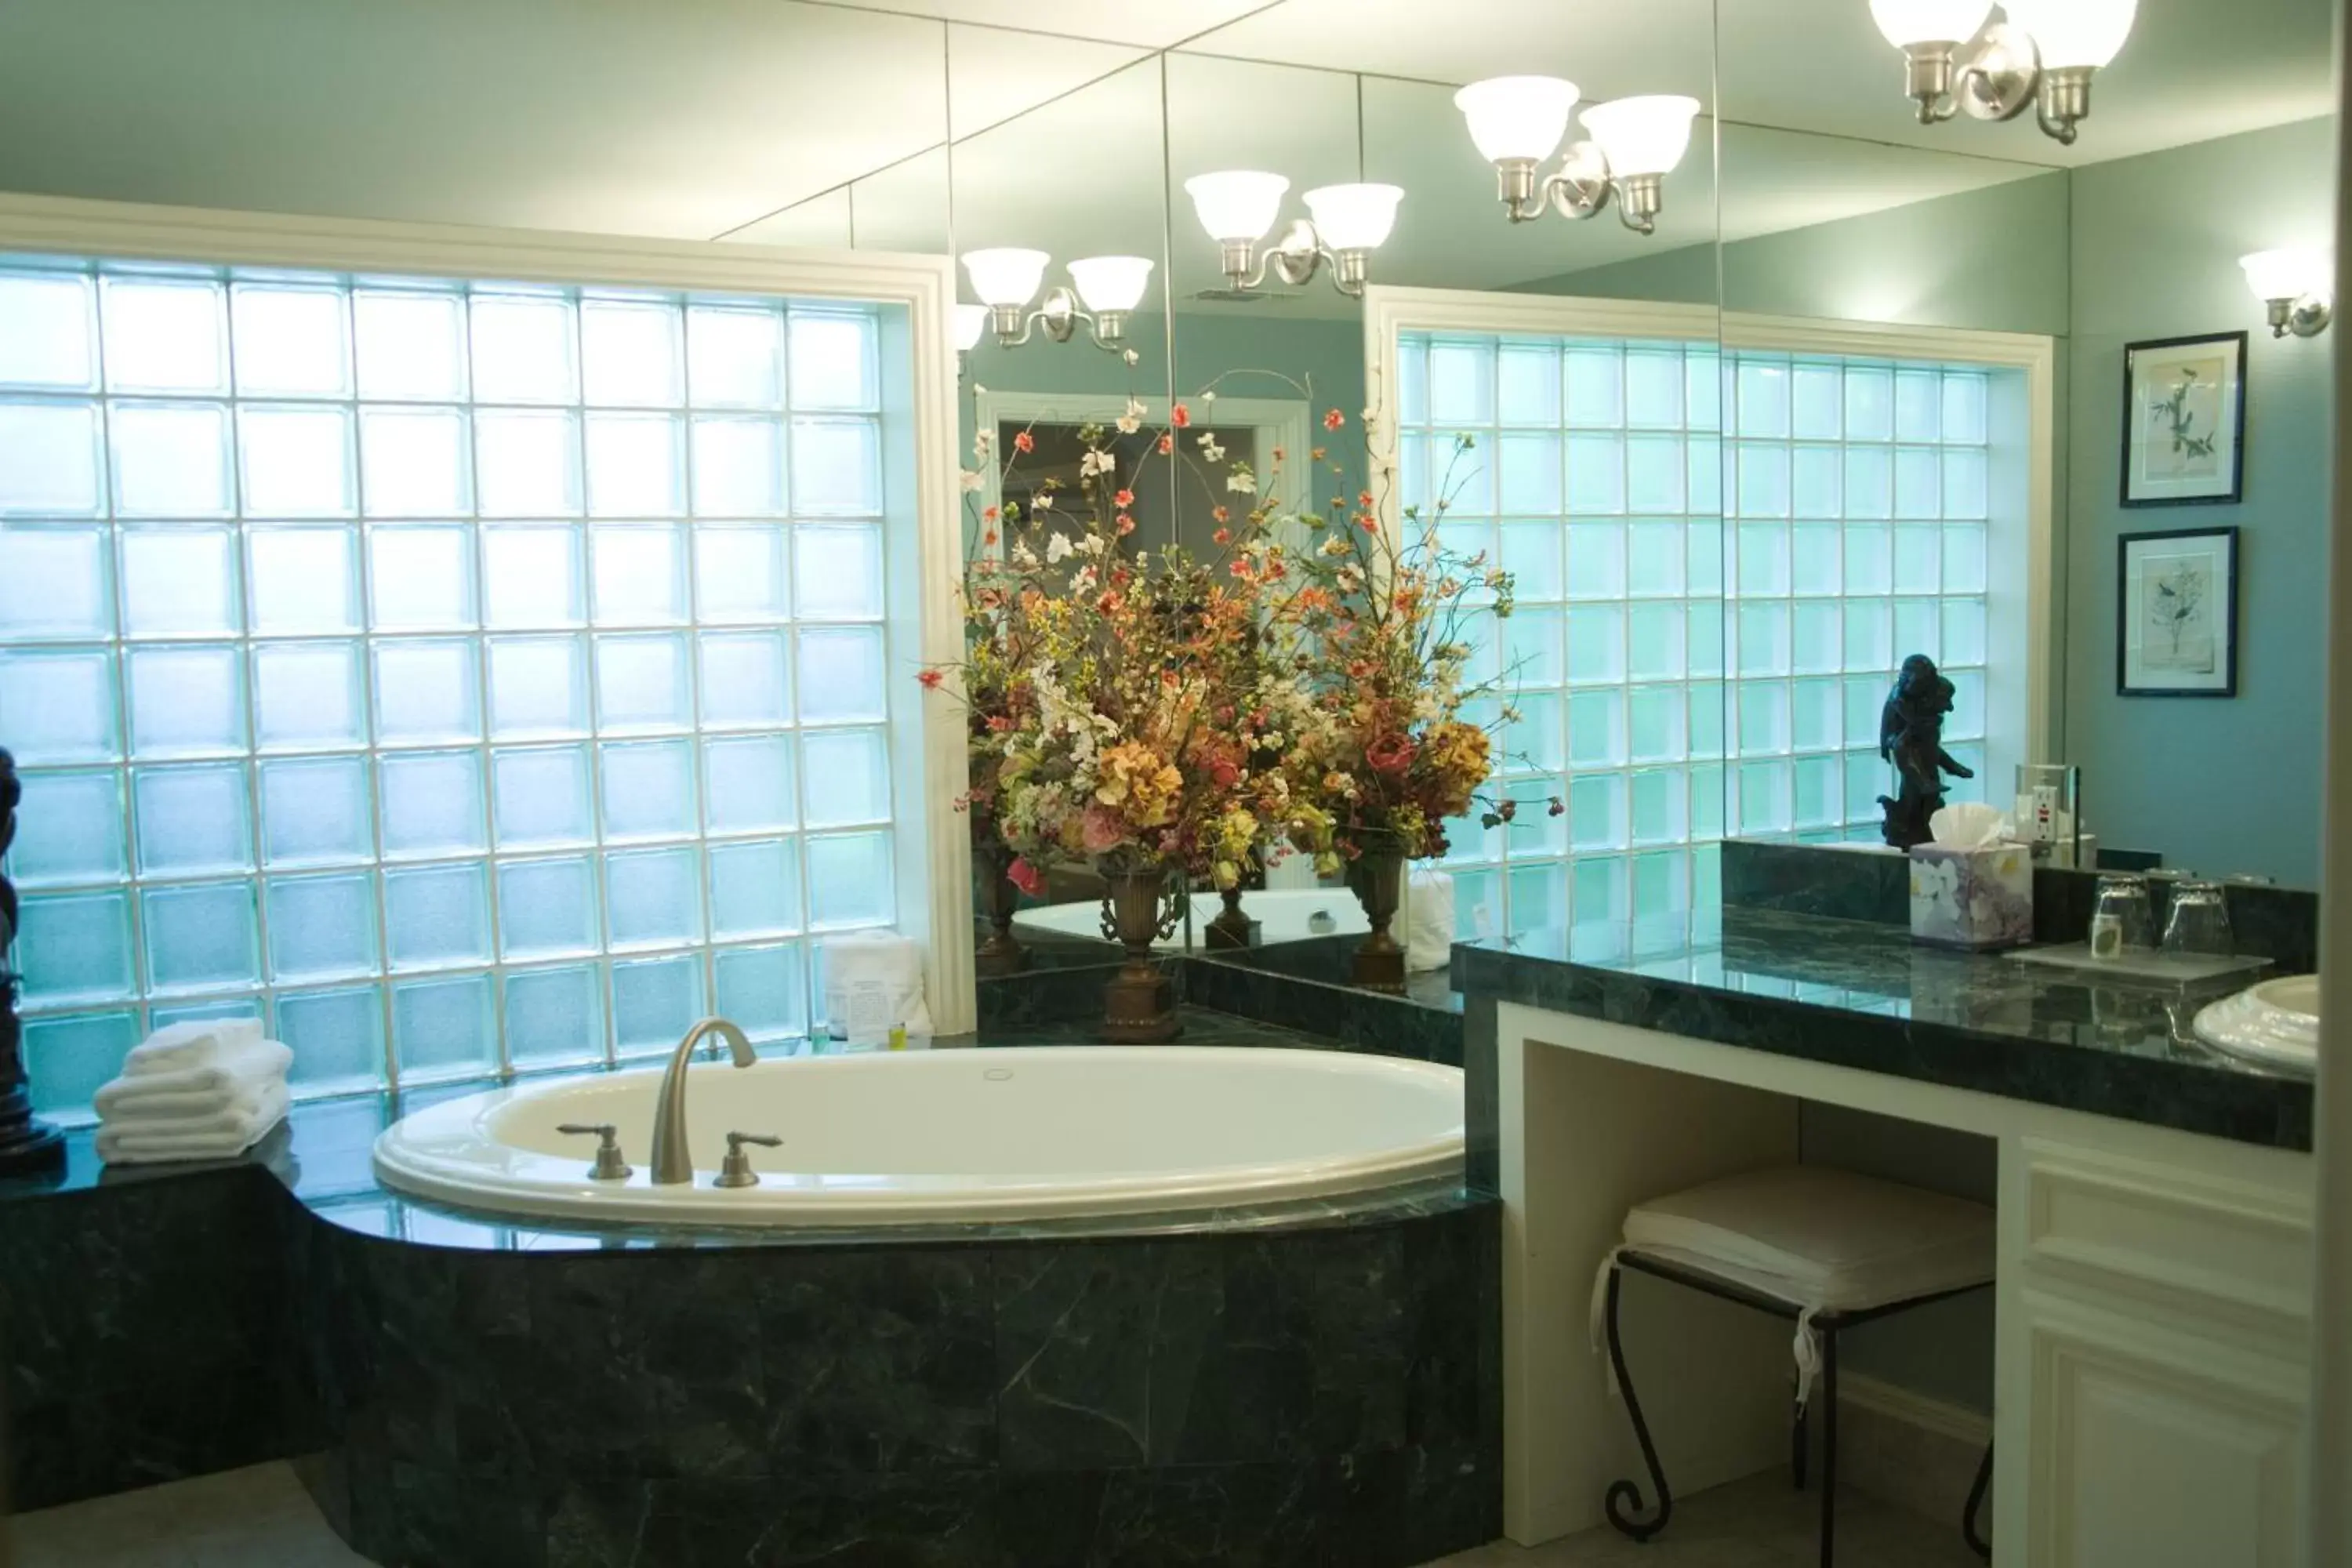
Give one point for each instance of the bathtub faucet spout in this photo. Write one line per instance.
(672, 1163)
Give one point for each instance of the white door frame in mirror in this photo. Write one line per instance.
(922, 613)
(1276, 423)
(2025, 597)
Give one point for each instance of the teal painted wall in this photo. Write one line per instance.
(1993, 258)
(2218, 785)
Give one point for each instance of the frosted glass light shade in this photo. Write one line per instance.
(2286, 274)
(1005, 276)
(1110, 283)
(1354, 217)
(1238, 204)
(1645, 135)
(971, 321)
(1909, 22)
(1516, 116)
(2074, 32)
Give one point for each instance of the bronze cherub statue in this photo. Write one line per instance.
(25, 1144)
(1911, 736)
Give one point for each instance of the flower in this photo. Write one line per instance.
(1167, 444)
(1390, 753)
(1024, 442)
(988, 514)
(982, 444)
(1220, 514)
(1024, 876)
(1334, 419)
(1057, 548)
(929, 678)
(1222, 535)
(1555, 808)
(1125, 525)
(1180, 417)
(1210, 450)
(1132, 420)
(972, 478)
(1123, 499)
(1103, 829)
(1210, 395)
(1241, 482)
(1097, 460)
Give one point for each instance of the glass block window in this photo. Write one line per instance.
(1721, 559)
(460, 677)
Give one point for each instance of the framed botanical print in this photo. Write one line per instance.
(2185, 420)
(2177, 614)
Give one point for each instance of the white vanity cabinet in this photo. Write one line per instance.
(2153, 1311)
(2154, 1315)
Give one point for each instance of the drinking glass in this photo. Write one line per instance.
(2200, 922)
(2126, 898)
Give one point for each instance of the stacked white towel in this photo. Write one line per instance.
(193, 1091)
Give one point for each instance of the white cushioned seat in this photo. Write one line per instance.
(1820, 1239)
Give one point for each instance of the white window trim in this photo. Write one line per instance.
(934, 903)
(1391, 311)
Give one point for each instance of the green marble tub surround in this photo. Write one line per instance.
(1320, 1377)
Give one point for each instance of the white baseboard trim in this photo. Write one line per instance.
(1945, 1419)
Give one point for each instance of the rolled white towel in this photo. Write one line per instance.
(177, 1047)
(201, 1088)
(1429, 921)
(221, 1137)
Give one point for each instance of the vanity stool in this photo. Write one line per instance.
(1825, 1247)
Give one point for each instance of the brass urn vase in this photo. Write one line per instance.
(1142, 905)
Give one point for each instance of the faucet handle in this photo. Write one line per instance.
(735, 1170)
(609, 1165)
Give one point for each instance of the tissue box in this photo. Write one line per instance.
(1975, 897)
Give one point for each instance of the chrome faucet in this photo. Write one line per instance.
(672, 1163)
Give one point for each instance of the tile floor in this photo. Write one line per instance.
(256, 1518)
(261, 1518)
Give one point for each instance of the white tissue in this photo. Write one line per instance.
(1967, 825)
(872, 979)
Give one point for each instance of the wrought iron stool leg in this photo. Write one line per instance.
(1983, 1483)
(1622, 1501)
(1798, 1442)
(1829, 1446)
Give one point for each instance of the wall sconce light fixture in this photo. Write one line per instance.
(1007, 278)
(1517, 121)
(2042, 55)
(2297, 289)
(1346, 225)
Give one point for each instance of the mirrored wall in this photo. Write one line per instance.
(1858, 394)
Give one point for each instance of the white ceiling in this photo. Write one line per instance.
(829, 122)
(2188, 72)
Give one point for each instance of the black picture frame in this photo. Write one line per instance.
(2136, 489)
(2139, 676)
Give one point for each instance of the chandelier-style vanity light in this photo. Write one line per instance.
(1006, 279)
(1518, 120)
(2043, 55)
(1346, 225)
(2297, 289)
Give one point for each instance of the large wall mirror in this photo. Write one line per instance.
(2210, 136)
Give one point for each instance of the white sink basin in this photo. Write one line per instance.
(2276, 1024)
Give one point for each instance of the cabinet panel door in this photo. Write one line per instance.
(2156, 1449)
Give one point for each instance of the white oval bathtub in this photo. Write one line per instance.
(986, 1134)
(1284, 914)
